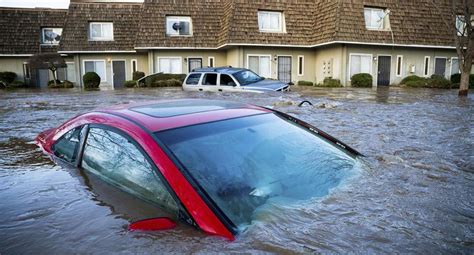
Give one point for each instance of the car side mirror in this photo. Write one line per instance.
(153, 224)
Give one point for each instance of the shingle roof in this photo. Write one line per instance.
(125, 17)
(411, 22)
(20, 29)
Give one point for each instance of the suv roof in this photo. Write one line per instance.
(222, 69)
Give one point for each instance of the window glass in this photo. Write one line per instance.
(375, 18)
(247, 77)
(211, 61)
(300, 65)
(51, 35)
(169, 65)
(426, 67)
(270, 21)
(71, 72)
(454, 66)
(118, 161)
(226, 80)
(260, 65)
(270, 160)
(209, 79)
(101, 31)
(97, 66)
(176, 26)
(66, 147)
(360, 64)
(194, 63)
(193, 79)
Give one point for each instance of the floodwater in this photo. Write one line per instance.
(414, 195)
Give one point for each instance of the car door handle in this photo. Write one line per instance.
(220, 89)
(200, 89)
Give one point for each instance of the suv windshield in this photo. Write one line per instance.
(247, 77)
(246, 162)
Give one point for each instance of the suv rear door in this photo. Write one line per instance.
(209, 82)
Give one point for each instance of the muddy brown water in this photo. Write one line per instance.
(415, 195)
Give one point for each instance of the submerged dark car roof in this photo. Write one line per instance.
(224, 69)
(161, 115)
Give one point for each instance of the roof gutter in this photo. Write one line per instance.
(299, 46)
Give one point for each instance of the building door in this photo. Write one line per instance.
(284, 69)
(194, 63)
(440, 66)
(43, 78)
(118, 73)
(383, 72)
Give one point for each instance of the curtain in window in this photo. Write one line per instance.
(71, 72)
(260, 65)
(170, 65)
(96, 66)
(96, 30)
(360, 64)
(454, 66)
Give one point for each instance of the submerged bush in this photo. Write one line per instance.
(91, 80)
(7, 77)
(137, 75)
(435, 81)
(162, 80)
(363, 80)
(456, 78)
(330, 83)
(305, 83)
(167, 83)
(130, 84)
(60, 84)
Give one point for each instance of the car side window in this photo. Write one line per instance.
(120, 162)
(226, 80)
(193, 79)
(67, 146)
(209, 79)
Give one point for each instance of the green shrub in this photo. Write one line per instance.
(305, 83)
(330, 83)
(361, 80)
(17, 84)
(130, 84)
(137, 75)
(60, 84)
(414, 81)
(167, 83)
(456, 79)
(91, 80)
(154, 79)
(7, 77)
(437, 81)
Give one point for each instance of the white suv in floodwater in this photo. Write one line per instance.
(231, 80)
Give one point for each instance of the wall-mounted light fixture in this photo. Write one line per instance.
(109, 60)
(375, 58)
(185, 59)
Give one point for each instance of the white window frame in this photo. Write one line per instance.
(260, 55)
(131, 65)
(95, 60)
(42, 35)
(281, 25)
(213, 61)
(426, 66)
(445, 66)
(300, 67)
(451, 66)
(360, 54)
(399, 63)
(385, 21)
(188, 59)
(172, 57)
(101, 38)
(179, 19)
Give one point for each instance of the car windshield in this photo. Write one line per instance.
(246, 162)
(247, 77)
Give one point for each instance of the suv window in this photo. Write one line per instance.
(209, 79)
(120, 162)
(66, 147)
(193, 79)
(226, 80)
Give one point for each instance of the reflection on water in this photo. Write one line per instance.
(416, 195)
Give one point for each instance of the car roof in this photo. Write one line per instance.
(222, 69)
(168, 114)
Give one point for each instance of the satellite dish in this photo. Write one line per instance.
(176, 26)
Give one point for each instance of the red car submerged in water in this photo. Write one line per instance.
(210, 163)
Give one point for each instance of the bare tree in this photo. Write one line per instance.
(51, 61)
(459, 22)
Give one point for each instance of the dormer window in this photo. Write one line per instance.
(178, 26)
(271, 21)
(101, 31)
(51, 35)
(376, 18)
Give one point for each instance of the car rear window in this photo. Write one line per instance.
(193, 79)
